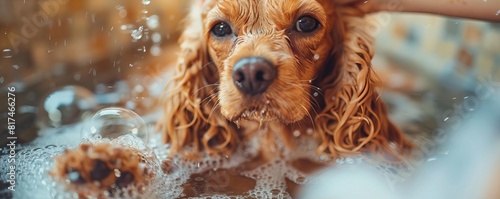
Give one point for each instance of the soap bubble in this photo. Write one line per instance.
(67, 105)
(114, 122)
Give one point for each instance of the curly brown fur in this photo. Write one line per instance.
(203, 109)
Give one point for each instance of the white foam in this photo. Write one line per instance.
(270, 178)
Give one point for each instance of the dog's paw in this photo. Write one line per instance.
(96, 169)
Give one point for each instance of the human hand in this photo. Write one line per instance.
(366, 5)
(474, 9)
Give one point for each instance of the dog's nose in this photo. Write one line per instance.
(252, 75)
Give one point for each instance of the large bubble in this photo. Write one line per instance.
(67, 105)
(114, 122)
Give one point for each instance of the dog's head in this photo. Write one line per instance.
(268, 53)
(282, 61)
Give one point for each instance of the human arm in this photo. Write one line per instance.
(488, 10)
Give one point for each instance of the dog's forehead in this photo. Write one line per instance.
(265, 13)
(262, 6)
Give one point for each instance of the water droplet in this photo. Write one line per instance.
(333, 97)
(316, 57)
(156, 37)
(126, 26)
(309, 131)
(153, 22)
(296, 133)
(155, 50)
(146, 2)
(131, 105)
(446, 119)
(118, 173)
(315, 94)
(143, 49)
(498, 13)
(114, 122)
(15, 66)
(2, 79)
(66, 106)
(139, 88)
(122, 13)
(137, 34)
(7, 53)
(77, 76)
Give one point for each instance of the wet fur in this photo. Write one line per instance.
(204, 111)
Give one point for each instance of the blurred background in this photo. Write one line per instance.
(69, 58)
(102, 50)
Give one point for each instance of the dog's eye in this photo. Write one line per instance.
(306, 24)
(221, 29)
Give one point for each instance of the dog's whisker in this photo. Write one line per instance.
(314, 78)
(314, 110)
(207, 64)
(308, 80)
(209, 98)
(309, 115)
(206, 86)
(316, 103)
(318, 89)
(216, 105)
(314, 95)
(315, 88)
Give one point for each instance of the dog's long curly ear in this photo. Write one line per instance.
(355, 118)
(190, 122)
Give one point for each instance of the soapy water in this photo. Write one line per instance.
(172, 173)
(125, 128)
(211, 176)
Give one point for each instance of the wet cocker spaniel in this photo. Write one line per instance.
(279, 66)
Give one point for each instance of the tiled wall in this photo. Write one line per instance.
(451, 51)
